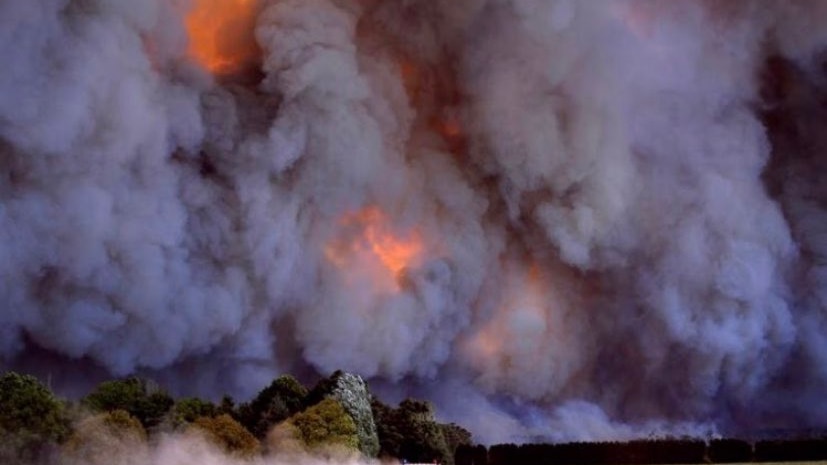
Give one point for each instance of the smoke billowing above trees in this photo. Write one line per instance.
(557, 219)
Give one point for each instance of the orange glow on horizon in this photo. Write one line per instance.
(221, 33)
(369, 233)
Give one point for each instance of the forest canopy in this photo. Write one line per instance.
(337, 416)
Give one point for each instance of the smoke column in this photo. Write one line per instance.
(556, 219)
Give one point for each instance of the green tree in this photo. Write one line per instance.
(142, 399)
(411, 433)
(227, 405)
(189, 409)
(30, 417)
(353, 394)
(390, 432)
(281, 399)
(455, 436)
(229, 434)
(326, 424)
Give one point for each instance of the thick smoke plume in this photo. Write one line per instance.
(555, 218)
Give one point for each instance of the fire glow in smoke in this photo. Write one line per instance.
(557, 219)
(369, 232)
(220, 33)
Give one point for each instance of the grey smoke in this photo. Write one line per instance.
(626, 237)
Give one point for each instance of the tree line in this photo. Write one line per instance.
(643, 452)
(337, 416)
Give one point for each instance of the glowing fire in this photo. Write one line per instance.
(368, 235)
(434, 99)
(221, 33)
(525, 300)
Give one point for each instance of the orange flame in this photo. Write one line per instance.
(221, 33)
(368, 232)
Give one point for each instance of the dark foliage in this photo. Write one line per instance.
(33, 422)
(504, 454)
(467, 454)
(455, 436)
(464, 455)
(791, 451)
(31, 418)
(729, 451)
(479, 456)
(227, 405)
(321, 389)
(671, 451)
(284, 397)
(142, 399)
(409, 432)
(189, 409)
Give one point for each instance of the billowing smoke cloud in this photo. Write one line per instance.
(557, 219)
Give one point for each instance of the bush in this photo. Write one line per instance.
(190, 409)
(729, 451)
(801, 450)
(142, 399)
(31, 417)
(228, 434)
(326, 424)
(275, 403)
(353, 395)
(114, 436)
(410, 432)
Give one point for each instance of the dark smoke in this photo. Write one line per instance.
(619, 209)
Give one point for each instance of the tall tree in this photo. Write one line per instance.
(142, 399)
(410, 432)
(352, 393)
(284, 397)
(326, 424)
(227, 433)
(31, 417)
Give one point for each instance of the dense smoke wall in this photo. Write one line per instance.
(556, 219)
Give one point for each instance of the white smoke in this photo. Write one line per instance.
(187, 448)
(618, 204)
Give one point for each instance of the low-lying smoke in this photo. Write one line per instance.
(556, 219)
(187, 448)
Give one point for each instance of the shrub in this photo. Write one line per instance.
(228, 434)
(114, 436)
